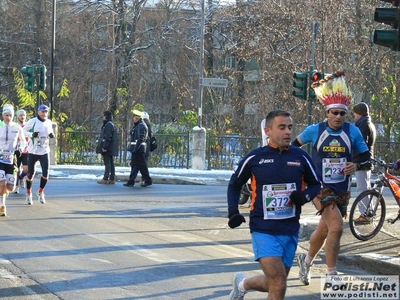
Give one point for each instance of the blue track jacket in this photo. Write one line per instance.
(274, 174)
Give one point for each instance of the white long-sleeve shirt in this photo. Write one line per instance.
(40, 144)
(9, 135)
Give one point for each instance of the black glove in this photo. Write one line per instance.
(51, 135)
(235, 219)
(35, 134)
(298, 198)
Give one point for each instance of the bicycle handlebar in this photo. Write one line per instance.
(378, 162)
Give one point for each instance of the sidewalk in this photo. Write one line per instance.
(159, 175)
(380, 254)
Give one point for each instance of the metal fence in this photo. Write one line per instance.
(175, 150)
(79, 147)
(224, 152)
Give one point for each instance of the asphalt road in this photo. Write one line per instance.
(92, 241)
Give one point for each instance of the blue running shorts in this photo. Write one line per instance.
(268, 245)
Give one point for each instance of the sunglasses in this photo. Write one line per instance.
(336, 112)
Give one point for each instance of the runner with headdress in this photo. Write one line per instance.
(333, 142)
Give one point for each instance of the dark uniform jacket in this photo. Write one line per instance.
(139, 137)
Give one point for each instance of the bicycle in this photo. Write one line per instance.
(372, 203)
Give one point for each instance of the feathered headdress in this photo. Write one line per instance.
(333, 92)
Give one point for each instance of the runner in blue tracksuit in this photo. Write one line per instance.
(282, 179)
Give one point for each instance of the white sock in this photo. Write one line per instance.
(332, 271)
(309, 260)
(3, 200)
(241, 285)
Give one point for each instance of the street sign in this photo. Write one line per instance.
(215, 82)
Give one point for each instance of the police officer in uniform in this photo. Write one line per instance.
(138, 146)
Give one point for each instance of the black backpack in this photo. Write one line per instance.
(153, 143)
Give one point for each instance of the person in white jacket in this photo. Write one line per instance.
(10, 132)
(39, 130)
(21, 154)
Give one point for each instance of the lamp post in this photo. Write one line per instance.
(53, 46)
(314, 28)
(199, 133)
(200, 108)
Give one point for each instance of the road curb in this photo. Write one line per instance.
(380, 264)
(158, 179)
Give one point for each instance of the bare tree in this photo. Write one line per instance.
(116, 54)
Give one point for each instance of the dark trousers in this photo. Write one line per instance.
(139, 164)
(44, 163)
(109, 171)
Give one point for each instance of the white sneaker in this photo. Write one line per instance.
(29, 199)
(16, 190)
(41, 198)
(304, 269)
(236, 293)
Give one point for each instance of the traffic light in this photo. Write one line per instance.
(388, 16)
(42, 77)
(29, 72)
(300, 83)
(315, 76)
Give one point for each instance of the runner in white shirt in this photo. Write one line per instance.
(10, 132)
(39, 130)
(21, 154)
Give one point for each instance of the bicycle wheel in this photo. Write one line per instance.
(245, 193)
(374, 206)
